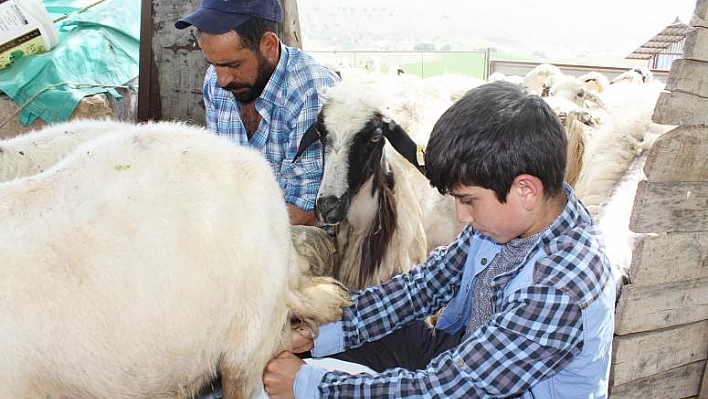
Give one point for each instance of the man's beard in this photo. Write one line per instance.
(265, 70)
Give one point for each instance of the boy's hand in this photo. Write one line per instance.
(302, 339)
(279, 375)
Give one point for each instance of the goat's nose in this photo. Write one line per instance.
(330, 209)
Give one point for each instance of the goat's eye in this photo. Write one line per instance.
(375, 138)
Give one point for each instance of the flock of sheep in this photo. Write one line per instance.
(121, 248)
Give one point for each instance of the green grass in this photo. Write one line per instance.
(433, 64)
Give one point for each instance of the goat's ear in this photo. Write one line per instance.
(308, 138)
(404, 144)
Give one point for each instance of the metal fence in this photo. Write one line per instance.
(420, 63)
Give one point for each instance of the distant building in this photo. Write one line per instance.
(663, 48)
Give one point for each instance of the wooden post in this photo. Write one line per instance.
(290, 32)
(149, 107)
(661, 343)
(703, 393)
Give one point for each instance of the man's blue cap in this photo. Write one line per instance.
(219, 16)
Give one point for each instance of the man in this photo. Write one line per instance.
(262, 93)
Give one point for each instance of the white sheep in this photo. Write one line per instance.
(35, 151)
(635, 76)
(612, 163)
(372, 64)
(533, 80)
(387, 216)
(144, 263)
(574, 90)
(614, 217)
(513, 79)
(594, 81)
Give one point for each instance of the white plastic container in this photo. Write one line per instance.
(25, 28)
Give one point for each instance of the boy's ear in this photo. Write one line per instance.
(530, 190)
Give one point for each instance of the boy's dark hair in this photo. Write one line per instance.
(251, 32)
(493, 134)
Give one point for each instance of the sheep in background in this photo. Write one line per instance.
(136, 267)
(613, 219)
(534, 79)
(594, 81)
(372, 64)
(386, 215)
(395, 70)
(573, 90)
(610, 151)
(514, 79)
(635, 76)
(579, 124)
(449, 86)
(496, 76)
(35, 151)
(613, 161)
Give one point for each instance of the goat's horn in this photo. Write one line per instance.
(308, 138)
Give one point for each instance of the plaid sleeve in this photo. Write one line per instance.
(537, 333)
(408, 296)
(211, 117)
(301, 179)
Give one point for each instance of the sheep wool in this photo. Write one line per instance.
(145, 262)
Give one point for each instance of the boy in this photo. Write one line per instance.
(527, 289)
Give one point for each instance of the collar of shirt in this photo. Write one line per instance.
(268, 99)
(482, 251)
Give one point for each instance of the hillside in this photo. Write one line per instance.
(527, 30)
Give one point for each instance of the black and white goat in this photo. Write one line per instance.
(386, 215)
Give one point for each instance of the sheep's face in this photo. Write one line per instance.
(353, 148)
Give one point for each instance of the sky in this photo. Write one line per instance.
(619, 25)
(555, 26)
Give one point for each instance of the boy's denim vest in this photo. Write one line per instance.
(587, 375)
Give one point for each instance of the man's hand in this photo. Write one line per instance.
(301, 216)
(279, 375)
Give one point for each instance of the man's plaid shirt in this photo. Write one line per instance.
(288, 105)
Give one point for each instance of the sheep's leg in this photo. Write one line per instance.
(236, 383)
(241, 368)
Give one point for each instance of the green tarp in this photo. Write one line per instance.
(98, 49)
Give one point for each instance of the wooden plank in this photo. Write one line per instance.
(670, 206)
(700, 14)
(149, 103)
(688, 76)
(659, 306)
(668, 258)
(180, 61)
(679, 155)
(646, 354)
(290, 32)
(703, 393)
(681, 382)
(676, 108)
(696, 47)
